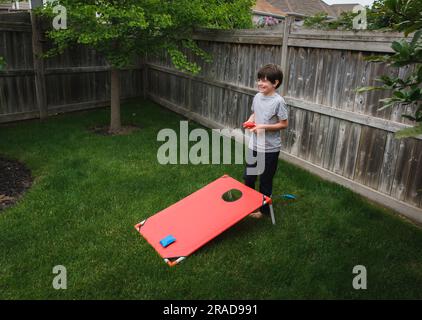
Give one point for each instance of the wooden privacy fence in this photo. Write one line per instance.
(333, 131)
(31, 87)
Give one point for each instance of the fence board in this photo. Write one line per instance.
(403, 169)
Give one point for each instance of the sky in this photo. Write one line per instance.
(362, 2)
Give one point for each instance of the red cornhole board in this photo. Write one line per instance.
(199, 218)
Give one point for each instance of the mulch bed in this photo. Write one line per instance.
(15, 179)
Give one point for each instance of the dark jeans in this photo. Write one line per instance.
(266, 178)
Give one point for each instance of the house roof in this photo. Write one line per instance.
(340, 8)
(303, 7)
(265, 6)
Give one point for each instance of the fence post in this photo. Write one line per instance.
(288, 21)
(145, 80)
(37, 51)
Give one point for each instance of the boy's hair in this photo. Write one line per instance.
(271, 72)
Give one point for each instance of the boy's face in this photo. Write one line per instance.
(266, 87)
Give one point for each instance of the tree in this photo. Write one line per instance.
(381, 17)
(121, 30)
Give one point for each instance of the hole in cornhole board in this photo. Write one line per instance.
(232, 195)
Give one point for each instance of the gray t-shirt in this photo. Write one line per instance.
(268, 110)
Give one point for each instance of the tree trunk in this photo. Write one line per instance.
(115, 123)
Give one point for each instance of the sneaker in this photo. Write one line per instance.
(256, 215)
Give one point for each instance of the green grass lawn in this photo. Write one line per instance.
(90, 190)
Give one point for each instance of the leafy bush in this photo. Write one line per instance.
(405, 91)
(322, 21)
(396, 15)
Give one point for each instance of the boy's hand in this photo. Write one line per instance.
(248, 124)
(258, 128)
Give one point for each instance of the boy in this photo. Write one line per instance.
(269, 114)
